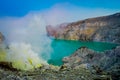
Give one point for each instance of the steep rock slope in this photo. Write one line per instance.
(1, 37)
(105, 28)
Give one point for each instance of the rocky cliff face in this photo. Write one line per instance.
(1, 38)
(105, 28)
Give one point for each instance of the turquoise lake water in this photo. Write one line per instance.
(63, 48)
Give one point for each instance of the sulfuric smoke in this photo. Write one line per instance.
(29, 47)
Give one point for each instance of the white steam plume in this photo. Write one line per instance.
(28, 44)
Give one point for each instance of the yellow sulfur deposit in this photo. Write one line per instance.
(2, 55)
(21, 56)
(24, 66)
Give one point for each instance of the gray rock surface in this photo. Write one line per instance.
(96, 62)
(50, 74)
(1, 37)
(83, 57)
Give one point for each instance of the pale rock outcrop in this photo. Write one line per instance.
(105, 28)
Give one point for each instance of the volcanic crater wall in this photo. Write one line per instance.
(105, 28)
